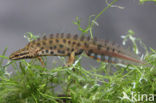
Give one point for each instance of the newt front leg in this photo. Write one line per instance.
(40, 59)
(71, 59)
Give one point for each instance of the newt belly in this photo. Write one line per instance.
(72, 45)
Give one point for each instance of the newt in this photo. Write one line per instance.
(73, 45)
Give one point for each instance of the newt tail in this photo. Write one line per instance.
(73, 45)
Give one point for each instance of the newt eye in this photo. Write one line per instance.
(17, 55)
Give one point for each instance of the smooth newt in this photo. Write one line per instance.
(72, 45)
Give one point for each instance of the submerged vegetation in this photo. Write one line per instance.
(29, 82)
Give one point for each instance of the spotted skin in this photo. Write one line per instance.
(72, 45)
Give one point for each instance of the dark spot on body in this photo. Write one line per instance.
(57, 40)
(79, 52)
(68, 49)
(50, 41)
(74, 42)
(51, 52)
(42, 48)
(47, 51)
(55, 47)
(61, 51)
(68, 54)
(75, 37)
(78, 44)
(82, 38)
(86, 45)
(113, 50)
(69, 42)
(64, 40)
(38, 39)
(44, 37)
(51, 47)
(72, 49)
(99, 46)
(108, 48)
(61, 46)
(38, 44)
(44, 43)
(42, 52)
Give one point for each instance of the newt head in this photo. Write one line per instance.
(21, 54)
